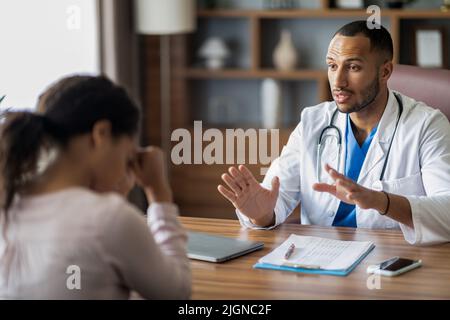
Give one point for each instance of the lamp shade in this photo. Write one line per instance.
(214, 47)
(161, 17)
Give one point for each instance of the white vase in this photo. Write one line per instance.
(271, 101)
(285, 54)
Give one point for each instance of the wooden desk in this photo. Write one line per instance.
(236, 279)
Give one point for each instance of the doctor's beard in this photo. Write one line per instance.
(369, 95)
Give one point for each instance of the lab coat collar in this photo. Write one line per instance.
(380, 141)
(382, 138)
(388, 120)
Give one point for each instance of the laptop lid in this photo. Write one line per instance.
(212, 248)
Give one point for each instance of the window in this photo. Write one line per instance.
(42, 41)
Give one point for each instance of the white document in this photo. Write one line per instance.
(318, 253)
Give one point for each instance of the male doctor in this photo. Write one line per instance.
(372, 158)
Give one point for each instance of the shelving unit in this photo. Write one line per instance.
(255, 74)
(256, 18)
(318, 13)
(256, 33)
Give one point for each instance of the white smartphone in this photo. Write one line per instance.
(394, 266)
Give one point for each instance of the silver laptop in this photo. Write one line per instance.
(212, 248)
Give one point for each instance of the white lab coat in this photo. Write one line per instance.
(418, 168)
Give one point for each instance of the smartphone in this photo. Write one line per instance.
(394, 266)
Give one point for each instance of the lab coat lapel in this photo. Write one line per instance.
(374, 156)
(380, 143)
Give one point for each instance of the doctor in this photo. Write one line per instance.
(372, 158)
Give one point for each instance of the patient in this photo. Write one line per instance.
(65, 234)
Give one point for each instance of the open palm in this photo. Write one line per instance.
(247, 195)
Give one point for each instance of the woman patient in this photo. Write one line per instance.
(65, 234)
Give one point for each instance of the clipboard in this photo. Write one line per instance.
(316, 255)
(312, 269)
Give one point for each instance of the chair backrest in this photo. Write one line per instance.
(432, 86)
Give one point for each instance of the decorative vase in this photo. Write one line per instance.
(285, 54)
(271, 101)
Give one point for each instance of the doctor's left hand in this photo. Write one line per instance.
(347, 190)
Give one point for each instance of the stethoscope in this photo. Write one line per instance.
(332, 127)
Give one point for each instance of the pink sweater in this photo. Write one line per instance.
(77, 244)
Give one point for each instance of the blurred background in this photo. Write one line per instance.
(228, 63)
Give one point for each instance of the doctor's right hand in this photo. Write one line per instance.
(249, 197)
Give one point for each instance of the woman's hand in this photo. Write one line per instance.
(151, 174)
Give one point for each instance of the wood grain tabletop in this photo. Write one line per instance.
(237, 279)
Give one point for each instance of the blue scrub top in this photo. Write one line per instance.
(354, 159)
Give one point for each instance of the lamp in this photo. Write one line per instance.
(164, 18)
(215, 52)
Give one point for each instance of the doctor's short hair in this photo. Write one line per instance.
(380, 38)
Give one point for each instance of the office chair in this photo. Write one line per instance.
(432, 86)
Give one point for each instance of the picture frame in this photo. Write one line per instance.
(429, 49)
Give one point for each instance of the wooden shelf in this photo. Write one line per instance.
(284, 131)
(422, 14)
(304, 74)
(319, 13)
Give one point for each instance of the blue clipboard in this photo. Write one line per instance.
(341, 273)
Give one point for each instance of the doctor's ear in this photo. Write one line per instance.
(386, 70)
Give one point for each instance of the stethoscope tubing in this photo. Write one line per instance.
(331, 126)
